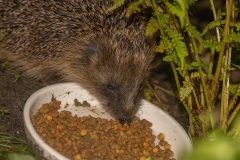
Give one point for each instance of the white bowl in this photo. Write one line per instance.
(67, 92)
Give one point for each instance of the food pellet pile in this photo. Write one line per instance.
(96, 138)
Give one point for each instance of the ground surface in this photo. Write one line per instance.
(13, 95)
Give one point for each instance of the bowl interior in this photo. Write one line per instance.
(67, 92)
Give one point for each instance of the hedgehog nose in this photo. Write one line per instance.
(125, 120)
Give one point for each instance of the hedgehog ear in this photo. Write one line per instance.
(97, 48)
(93, 48)
(92, 52)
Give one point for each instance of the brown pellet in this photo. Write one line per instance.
(161, 136)
(95, 138)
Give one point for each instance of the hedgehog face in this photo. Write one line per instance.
(119, 88)
(116, 76)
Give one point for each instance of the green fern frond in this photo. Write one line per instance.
(178, 8)
(148, 95)
(116, 4)
(152, 26)
(186, 89)
(192, 66)
(211, 44)
(167, 48)
(194, 33)
(195, 75)
(232, 37)
(236, 25)
(192, 30)
(237, 66)
(134, 7)
(204, 67)
(219, 23)
(233, 88)
(190, 2)
(221, 15)
(164, 19)
(212, 25)
(182, 4)
(171, 58)
(148, 3)
(178, 45)
(184, 92)
(160, 48)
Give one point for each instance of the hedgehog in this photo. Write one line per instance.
(82, 42)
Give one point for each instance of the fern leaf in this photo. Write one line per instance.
(171, 58)
(164, 19)
(178, 8)
(218, 23)
(134, 7)
(178, 45)
(212, 25)
(221, 15)
(236, 25)
(148, 3)
(192, 66)
(147, 95)
(204, 67)
(166, 47)
(192, 30)
(160, 47)
(212, 44)
(190, 2)
(186, 89)
(182, 4)
(184, 92)
(195, 75)
(116, 4)
(152, 26)
(233, 88)
(237, 66)
(232, 37)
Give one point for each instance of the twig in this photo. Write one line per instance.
(215, 18)
(221, 54)
(225, 92)
(234, 113)
(199, 108)
(203, 83)
(234, 99)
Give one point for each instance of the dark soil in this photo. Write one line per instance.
(13, 95)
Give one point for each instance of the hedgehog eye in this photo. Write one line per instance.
(111, 87)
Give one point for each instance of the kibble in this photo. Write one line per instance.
(83, 132)
(161, 136)
(97, 138)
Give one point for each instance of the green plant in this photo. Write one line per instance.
(4, 112)
(199, 85)
(217, 146)
(12, 148)
(10, 70)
